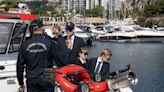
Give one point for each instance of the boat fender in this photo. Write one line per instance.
(108, 38)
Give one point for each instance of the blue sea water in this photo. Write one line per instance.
(146, 59)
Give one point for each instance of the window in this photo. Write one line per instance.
(5, 29)
(117, 30)
(109, 29)
(160, 28)
(17, 37)
(99, 28)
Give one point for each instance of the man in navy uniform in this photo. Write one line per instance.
(70, 45)
(100, 66)
(35, 55)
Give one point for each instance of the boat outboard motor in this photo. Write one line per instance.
(123, 78)
(123, 81)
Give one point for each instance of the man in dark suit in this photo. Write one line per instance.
(69, 46)
(100, 66)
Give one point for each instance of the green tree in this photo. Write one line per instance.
(141, 20)
(161, 22)
(148, 23)
(149, 10)
(161, 6)
(154, 9)
(97, 11)
(10, 4)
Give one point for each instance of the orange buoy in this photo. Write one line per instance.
(82, 75)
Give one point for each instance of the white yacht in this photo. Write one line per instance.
(133, 33)
(87, 36)
(143, 34)
(102, 29)
(116, 36)
(159, 29)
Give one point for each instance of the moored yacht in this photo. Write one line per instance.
(144, 34)
(87, 36)
(116, 36)
(102, 29)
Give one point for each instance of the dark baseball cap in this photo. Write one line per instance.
(37, 23)
(69, 26)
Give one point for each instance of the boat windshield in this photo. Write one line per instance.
(160, 29)
(109, 28)
(10, 40)
(99, 28)
(117, 30)
(138, 28)
(5, 29)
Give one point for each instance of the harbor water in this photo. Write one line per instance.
(146, 60)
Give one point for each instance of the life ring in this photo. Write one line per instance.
(67, 86)
(100, 87)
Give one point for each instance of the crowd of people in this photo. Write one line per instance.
(41, 51)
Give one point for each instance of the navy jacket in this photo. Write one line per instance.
(105, 70)
(36, 54)
(78, 62)
(68, 56)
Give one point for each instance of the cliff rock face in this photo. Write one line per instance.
(138, 4)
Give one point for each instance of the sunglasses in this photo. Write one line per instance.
(85, 53)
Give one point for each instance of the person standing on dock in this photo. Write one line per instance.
(70, 45)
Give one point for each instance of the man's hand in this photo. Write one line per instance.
(22, 88)
(68, 43)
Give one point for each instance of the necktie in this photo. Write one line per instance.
(97, 68)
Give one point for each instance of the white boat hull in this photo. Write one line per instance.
(131, 39)
(9, 84)
(8, 79)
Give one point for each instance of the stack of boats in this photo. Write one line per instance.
(128, 33)
(125, 33)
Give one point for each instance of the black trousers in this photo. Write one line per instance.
(39, 85)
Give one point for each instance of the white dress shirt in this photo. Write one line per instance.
(72, 40)
(98, 60)
(82, 61)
